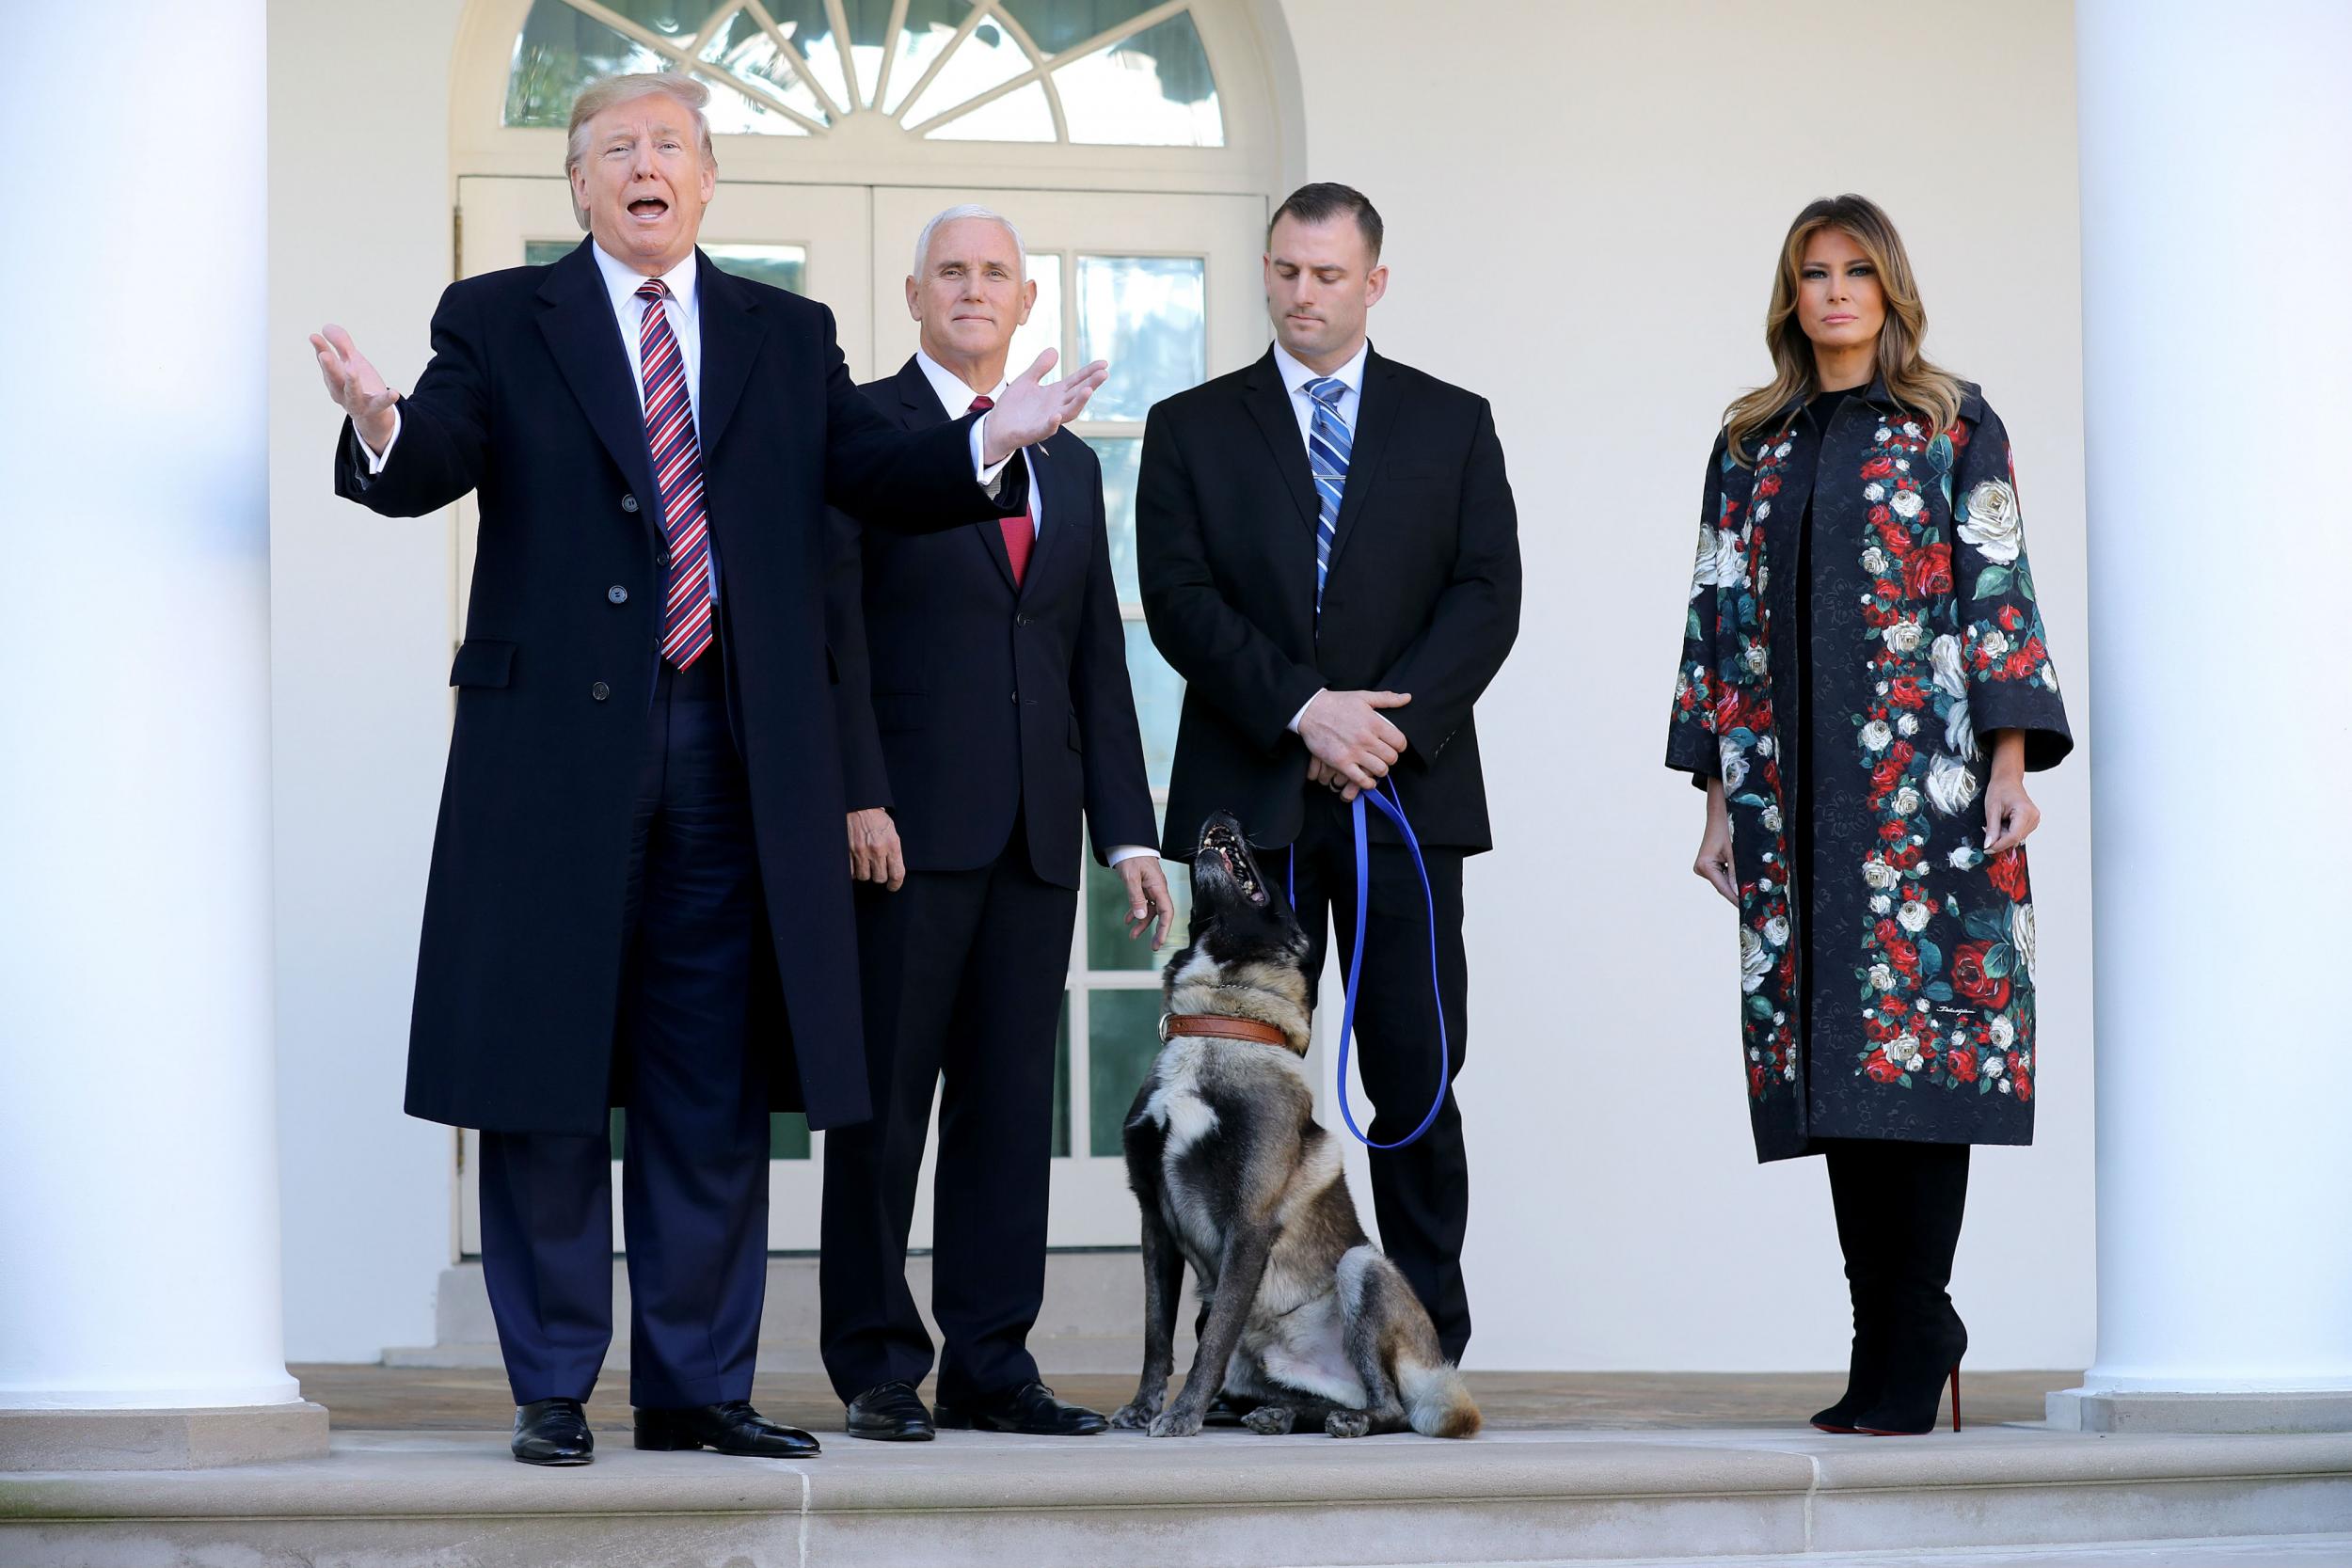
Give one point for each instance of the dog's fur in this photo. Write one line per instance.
(1304, 1315)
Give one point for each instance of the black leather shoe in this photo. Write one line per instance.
(891, 1413)
(1225, 1410)
(552, 1431)
(1031, 1409)
(732, 1427)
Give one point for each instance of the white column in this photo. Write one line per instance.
(139, 1167)
(2216, 203)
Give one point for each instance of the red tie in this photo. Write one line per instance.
(1020, 532)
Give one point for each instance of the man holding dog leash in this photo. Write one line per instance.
(1330, 557)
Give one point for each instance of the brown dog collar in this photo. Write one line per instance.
(1211, 1026)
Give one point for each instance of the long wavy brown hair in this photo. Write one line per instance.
(1915, 384)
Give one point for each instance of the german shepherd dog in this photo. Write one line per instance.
(1304, 1315)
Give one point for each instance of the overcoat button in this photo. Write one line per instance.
(662, 558)
(600, 691)
(628, 503)
(617, 593)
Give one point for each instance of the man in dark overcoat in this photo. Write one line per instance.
(637, 894)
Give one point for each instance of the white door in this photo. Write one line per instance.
(1164, 286)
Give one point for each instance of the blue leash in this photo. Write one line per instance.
(1391, 806)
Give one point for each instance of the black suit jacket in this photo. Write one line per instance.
(528, 402)
(966, 701)
(1422, 595)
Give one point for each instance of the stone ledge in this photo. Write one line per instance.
(2127, 1411)
(197, 1439)
(1225, 1497)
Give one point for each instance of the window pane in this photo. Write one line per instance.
(1152, 90)
(1145, 315)
(1054, 25)
(1159, 698)
(735, 113)
(541, 253)
(986, 59)
(787, 1133)
(1043, 330)
(560, 52)
(1122, 456)
(1022, 114)
(747, 49)
(808, 29)
(1061, 1082)
(1107, 946)
(869, 29)
(1123, 1035)
(781, 266)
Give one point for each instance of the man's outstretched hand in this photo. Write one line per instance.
(1031, 410)
(356, 387)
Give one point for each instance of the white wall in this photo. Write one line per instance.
(1584, 210)
(1584, 202)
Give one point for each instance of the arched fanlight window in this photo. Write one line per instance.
(1107, 72)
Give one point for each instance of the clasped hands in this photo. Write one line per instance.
(1350, 746)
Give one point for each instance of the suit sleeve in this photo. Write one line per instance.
(1471, 631)
(1117, 789)
(865, 781)
(909, 481)
(444, 441)
(1218, 651)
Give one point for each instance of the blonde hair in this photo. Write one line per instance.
(1915, 384)
(610, 92)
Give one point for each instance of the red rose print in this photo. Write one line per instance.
(2010, 619)
(1888, 932)
(1756, 1079)
(1905, 692)
(1878, 467)
(1881, 1070)
(2025, 1085)
(1902, 752)
(2007, 871)
(1768, 487)
(1971, 981)
(1879, 515)
(1891, 832)
(1904, 957)
(1929, 571)
(1963, 1065)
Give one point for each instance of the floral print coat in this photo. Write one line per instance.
(1913, 959)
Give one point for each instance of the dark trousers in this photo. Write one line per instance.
(1420, 1192)
(963, 975)
(695, 1176)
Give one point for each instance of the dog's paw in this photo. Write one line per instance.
(1348, 1423)
(1179, 1422)
(1270, 1420)
(1132, 1416)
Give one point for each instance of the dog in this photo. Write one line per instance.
(1234, 1175)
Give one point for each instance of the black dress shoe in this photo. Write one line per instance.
(552, 1431)
(891, 1413)
(1225, 1410)
(1031, 1409)
(732, 1427)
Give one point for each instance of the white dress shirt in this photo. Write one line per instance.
(956, 395)
(1295, 376)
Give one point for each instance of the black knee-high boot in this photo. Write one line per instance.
(1852, 1171)
(1926, 1188)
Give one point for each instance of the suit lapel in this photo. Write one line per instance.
(1269, 403)
(1376, 404)
(585, 339)
(921, 410)
(732, 332)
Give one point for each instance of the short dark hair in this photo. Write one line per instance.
(1323, 201)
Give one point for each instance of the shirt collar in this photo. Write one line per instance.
(1296, 374)
(622, 282)
(954, 395)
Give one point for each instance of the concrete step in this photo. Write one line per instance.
(1091, 1320)
(2240, 1551)
(387, 1500)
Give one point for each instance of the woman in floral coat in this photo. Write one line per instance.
(1864, 683)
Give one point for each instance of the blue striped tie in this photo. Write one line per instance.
(1329, 443)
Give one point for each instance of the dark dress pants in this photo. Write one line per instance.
(963, 975)
(694, 1175)
(1420, 1192)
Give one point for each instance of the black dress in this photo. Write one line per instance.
(1821, 408)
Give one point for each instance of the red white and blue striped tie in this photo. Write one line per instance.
(687, 628)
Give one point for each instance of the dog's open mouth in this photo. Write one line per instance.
(1227, 845)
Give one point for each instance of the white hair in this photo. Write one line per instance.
(968, 210)
(610, 92)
